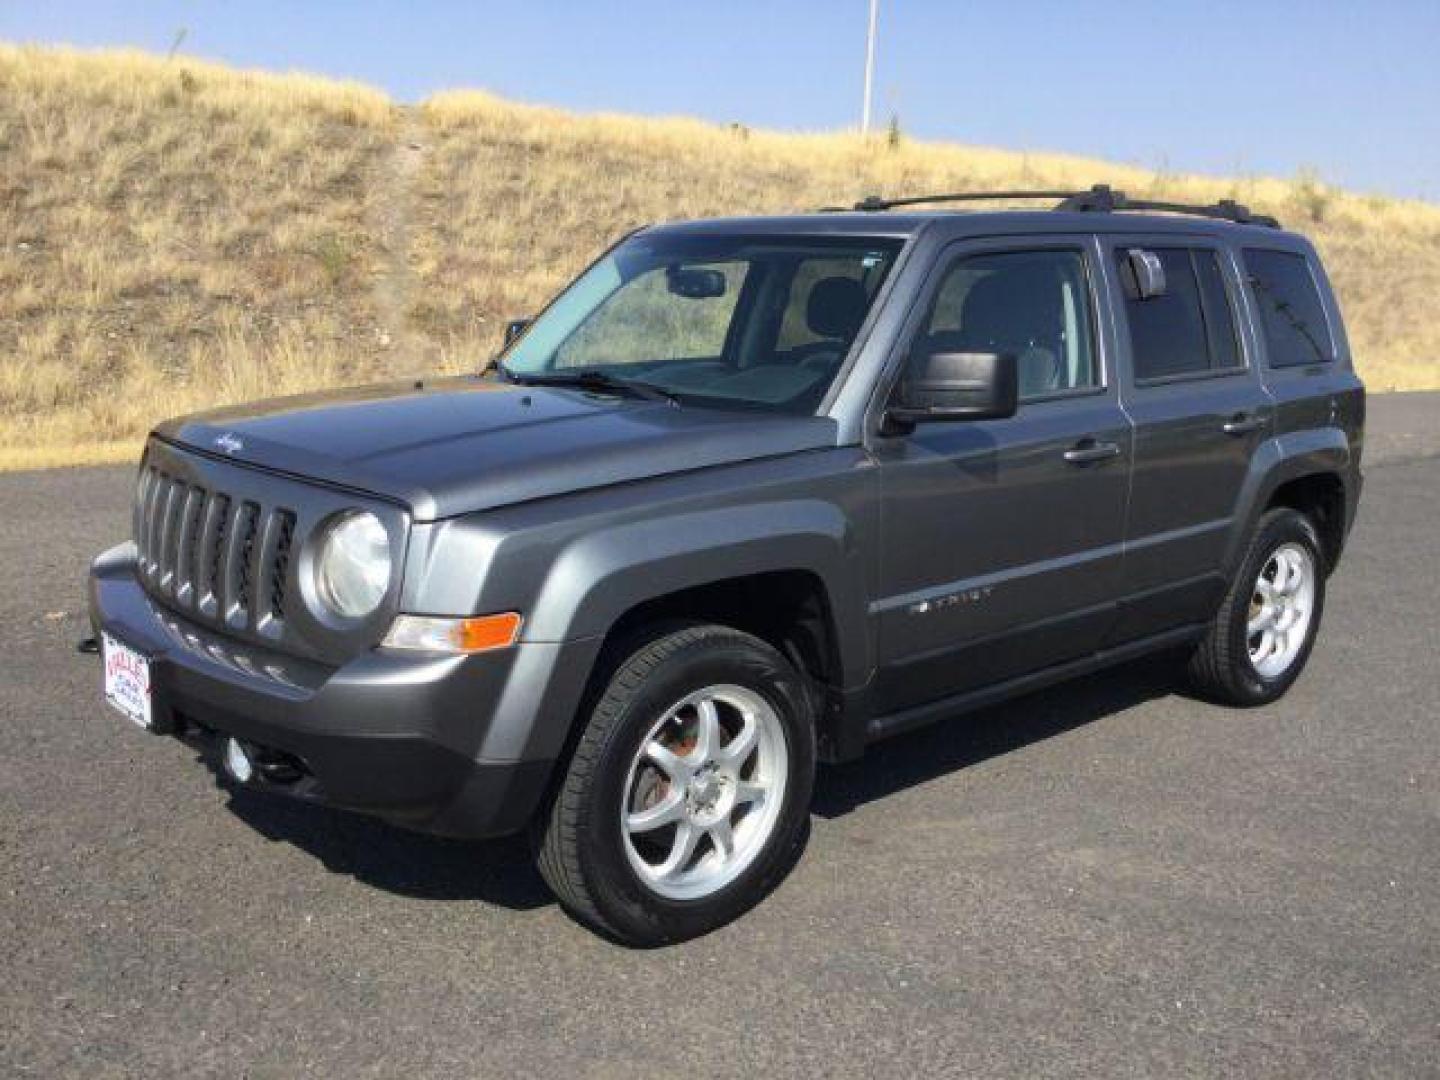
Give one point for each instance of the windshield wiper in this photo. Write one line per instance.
(594, 379)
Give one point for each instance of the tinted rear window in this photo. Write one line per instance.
(1291, 315)
(1191, 328)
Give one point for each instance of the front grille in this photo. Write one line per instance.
(244, 564)
(280, 565)
(223, 559)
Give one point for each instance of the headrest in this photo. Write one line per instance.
(836, 307)
(1013, 307)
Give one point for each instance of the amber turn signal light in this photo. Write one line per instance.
(431, 633)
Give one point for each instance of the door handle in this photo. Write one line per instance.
(1087, 451)
(1243, 424)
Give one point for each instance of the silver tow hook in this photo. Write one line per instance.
(238, 764)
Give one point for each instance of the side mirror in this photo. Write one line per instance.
(514, 328)
(957, 386)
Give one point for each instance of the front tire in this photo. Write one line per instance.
(687, 796)
(1261, 637)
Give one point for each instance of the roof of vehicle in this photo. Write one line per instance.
(961, 223)
(1099, 209)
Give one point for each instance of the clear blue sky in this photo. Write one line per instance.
(1351, 90)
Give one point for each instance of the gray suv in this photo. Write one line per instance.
(748, 495)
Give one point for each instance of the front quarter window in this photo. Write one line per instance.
(728, 321)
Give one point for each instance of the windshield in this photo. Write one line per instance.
(758, 322)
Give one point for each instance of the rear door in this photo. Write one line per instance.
(1199, 412)
(1002, 539)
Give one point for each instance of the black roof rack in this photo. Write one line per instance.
(1099, 199)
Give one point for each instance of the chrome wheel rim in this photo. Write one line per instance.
(704, 792)
(1282, 605)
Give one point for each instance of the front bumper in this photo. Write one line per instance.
(404, 738)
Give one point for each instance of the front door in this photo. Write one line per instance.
(1002, 539)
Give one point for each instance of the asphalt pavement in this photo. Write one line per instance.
(1104, 879)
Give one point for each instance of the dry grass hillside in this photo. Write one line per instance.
(175, 233)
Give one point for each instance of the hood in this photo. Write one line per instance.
(451, 446)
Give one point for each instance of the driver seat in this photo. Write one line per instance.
(1019, 311)
(834, 311)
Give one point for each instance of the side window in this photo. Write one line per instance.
(1035, 304)
(1291, 314)
(1190, 329)
(642, 321)
(1219, 312)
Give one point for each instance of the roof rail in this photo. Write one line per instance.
(1099, 199)
(1104, 199)
(873, 203)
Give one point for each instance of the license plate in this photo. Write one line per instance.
(127, 681)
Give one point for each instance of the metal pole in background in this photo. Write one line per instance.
(869, 67)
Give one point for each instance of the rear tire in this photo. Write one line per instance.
(1262, 634)
(688, 793)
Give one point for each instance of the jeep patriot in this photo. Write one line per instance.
(748, 495)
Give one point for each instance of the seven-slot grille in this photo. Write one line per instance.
(224, 558)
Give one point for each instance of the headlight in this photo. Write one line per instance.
(352, 570)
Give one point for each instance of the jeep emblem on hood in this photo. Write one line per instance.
(230, 443)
